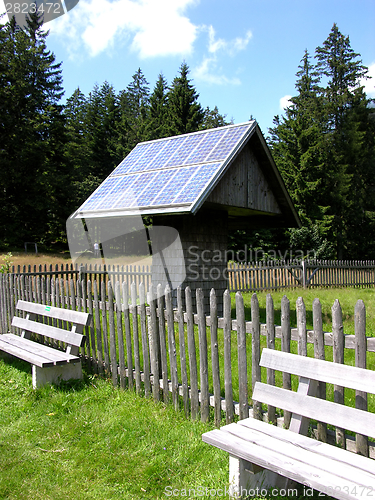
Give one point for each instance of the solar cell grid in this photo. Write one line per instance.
(196, 183)
(98, 196)
(185, 150)
(131, 159)
(128, 198)
(227, 143)
(155, 187)
(204, 148)
(174, 186)
(144, 162)
(170, 147)
(117, 190)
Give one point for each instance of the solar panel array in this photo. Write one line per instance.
(167, 172)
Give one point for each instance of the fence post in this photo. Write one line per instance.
(192, 355)
(242, 362)
(360, 361)
(255, 352)
(285, 347)
(229, 409)
(215, 358)
(270, 319)
(319, 353)
(304, 273)
(181, 337)
(338, 357)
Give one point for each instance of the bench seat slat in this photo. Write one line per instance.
(342, 416)
(313, 445)
(76, 317)
(30, 357)
(49, 331)
(305, 473)
(317, 369)
(58, 357)
(305, 453)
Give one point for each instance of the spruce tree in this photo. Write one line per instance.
(185, 112)
(33, 137)
(346, 111)
(156, 127)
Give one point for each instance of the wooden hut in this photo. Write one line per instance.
(201, 184)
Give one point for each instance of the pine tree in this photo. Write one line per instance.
(297, 148)
(156, 127)
(212, 119)
(185, 112)
(346, 108)
(33, 137)
(103, 114)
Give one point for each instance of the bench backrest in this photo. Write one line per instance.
(71, 337)
(304, 403)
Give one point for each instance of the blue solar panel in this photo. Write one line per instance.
(196, 183)
(227, 143)
(170, 171)
(186, 149)
(132, 158)
(203, 149)
(100, 194)
(154, 188)
(174, 186)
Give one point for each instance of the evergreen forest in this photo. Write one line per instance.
(54, 154)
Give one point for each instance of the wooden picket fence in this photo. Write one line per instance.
(254, 276)
(277, 275)
(195, 360)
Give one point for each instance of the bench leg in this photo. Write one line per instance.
(245, 478)
(54, 374)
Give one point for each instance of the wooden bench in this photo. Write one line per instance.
(266, 456)
(49, 364)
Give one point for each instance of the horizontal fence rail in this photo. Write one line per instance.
(194, 360)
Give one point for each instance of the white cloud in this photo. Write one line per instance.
(285, 102)
(209, 70)
(370, 83)
(155, 27)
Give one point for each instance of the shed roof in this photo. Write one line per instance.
(177, 175)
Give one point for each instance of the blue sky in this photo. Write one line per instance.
(243, 54)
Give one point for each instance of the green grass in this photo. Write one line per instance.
(91, 441)
(327, 296)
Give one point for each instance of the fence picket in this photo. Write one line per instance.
(270, 325)
(203, 357)
(154, 345)
(172, 346)
(194, 397)
(137, 362)
(319, 353)
(242, 361)
(286, 335)
(229, 408)
(360, 361)
(181, 338)
(120, 311)
(215, 358)
(145, 349)
(255, 352)
(338, 357)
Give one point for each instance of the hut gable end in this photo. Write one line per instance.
(245, 186)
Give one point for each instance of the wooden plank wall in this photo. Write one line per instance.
(196, 361)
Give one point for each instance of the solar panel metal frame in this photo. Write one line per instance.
(186, 207)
